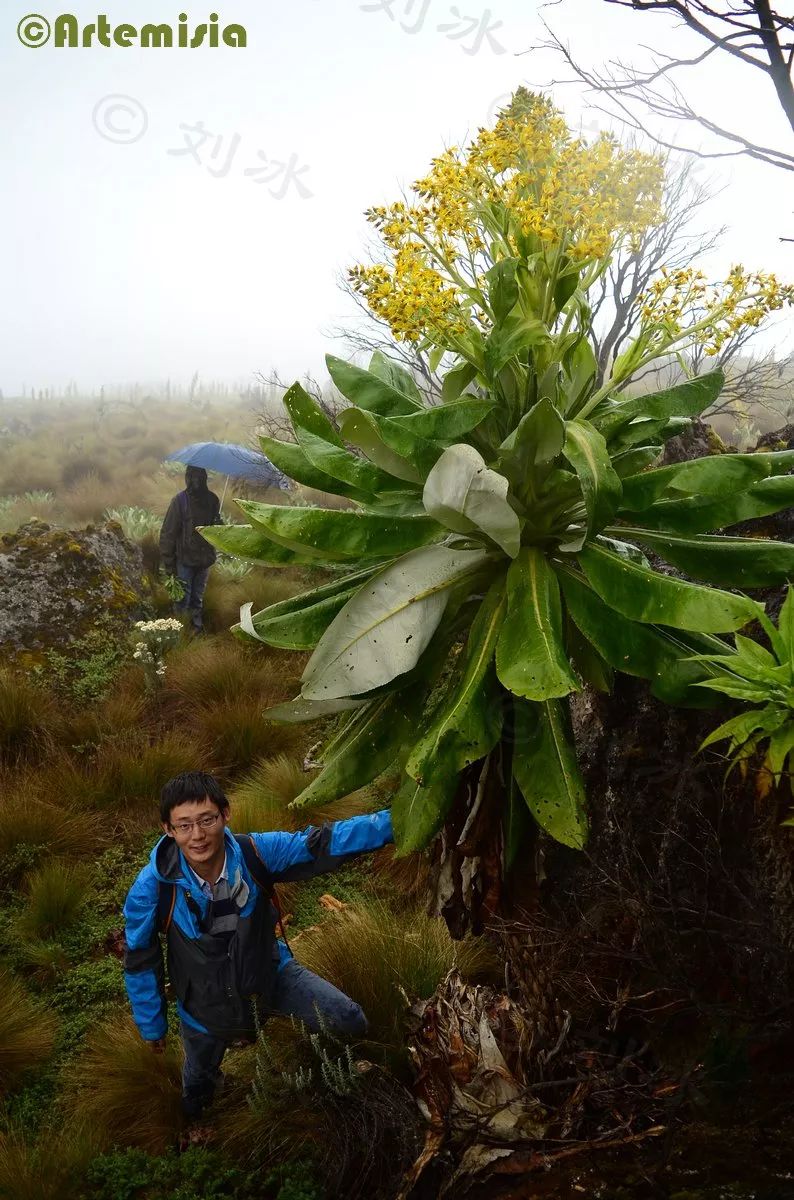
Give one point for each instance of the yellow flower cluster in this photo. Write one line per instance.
(412, 298)
(681, 302)
(525, 187)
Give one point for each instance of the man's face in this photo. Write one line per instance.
(199, 843)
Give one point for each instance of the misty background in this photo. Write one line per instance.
(129, 260)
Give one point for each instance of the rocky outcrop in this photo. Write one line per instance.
(56, 584)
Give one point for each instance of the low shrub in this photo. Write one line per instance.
(383, 958)
(26, 715)
(123, 1090)
(27, 1032)
(89, 667)
(196, 1174)
(57, 894)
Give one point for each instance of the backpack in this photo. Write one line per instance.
(166, 898)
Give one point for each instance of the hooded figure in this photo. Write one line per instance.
(185, 553)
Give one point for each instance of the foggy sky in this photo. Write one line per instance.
(127, 260)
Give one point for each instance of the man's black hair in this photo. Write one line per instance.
(187, 787)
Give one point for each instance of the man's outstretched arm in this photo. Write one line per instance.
(322, 848)
(144, 978)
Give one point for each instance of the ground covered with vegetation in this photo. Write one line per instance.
(86, 742)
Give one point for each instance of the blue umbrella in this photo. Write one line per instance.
(228, 459)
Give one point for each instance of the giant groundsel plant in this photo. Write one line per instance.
(493, 557)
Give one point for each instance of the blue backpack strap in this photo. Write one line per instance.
(183, 504)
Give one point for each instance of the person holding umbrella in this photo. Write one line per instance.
(185, 553)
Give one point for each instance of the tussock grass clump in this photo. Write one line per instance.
(225, 595)
(216, 670)
(26, 715)
(375, 954)
(126, 777)
(125, 1092)
(57, 895)
(41, 828)
(261, 800)
(49, 1168)
(27, 1032)
(236, 734)
(88, 498)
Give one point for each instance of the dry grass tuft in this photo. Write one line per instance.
(47, 1169)
(216, 670)
(27, 1032)
(57, 895)
(54, 830)
(26, 714)
(375, 954)
(88, 498)
(125, 1092)
(236, 734)
(261, 800)
(225, 596)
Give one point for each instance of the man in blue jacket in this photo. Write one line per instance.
(210, 893)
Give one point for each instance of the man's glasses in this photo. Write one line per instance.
(208, 822)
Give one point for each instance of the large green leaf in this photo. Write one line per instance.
(396, 376)
(726, 561)
(368, 391)
(341, 534)
(717, 475)
(502, 288)
(512, 337)
(291, 460)
(701, 515)
(469, 721)
(645, 595)
(688, 399)
(456, 380)
(423, 453)
(340, 463)
(463, 494)
(446, 422)
(299, 710)
(299, 630)
(537, 439)
(304, 410)
(530, 658)
(363, 430)
(634, 648)
(372, 745)
(252, 543)
(383, 630)
(586, 451)
(320, 441)
(419, 812)
(547, 772)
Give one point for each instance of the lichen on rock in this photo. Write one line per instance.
(55, 584)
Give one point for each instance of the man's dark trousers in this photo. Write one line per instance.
(299, 993)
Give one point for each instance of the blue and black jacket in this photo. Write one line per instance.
(217, 980)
